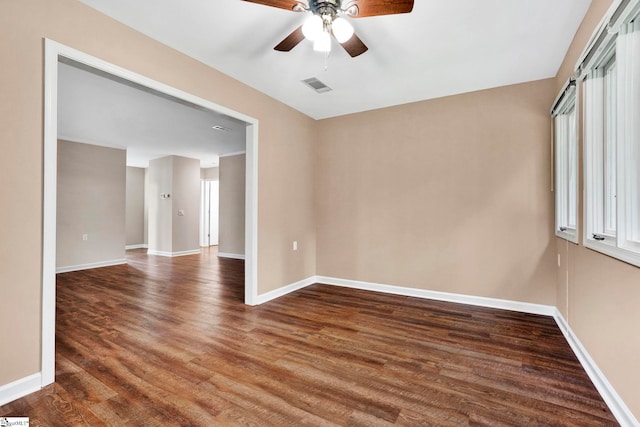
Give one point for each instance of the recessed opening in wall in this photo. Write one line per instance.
(103, 108)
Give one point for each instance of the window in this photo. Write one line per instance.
(566, 163)
(600, 152)
(611, 73)
(628, 139)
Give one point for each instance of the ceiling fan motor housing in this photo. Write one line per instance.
(331, 7)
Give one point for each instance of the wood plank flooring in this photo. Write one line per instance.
(164, 341)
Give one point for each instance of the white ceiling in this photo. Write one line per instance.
(443, 47)
(98, 109)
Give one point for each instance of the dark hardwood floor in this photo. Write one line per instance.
(164, 341)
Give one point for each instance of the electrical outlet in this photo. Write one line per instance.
(85, 237)
(295, 245)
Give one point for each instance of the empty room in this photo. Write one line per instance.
(438, 223)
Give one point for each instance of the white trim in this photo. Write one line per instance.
(20, 388)
(625, 12)
(49, 211)
(571, 236)
(525, 307)
(622, 254)
(138, 246)
(55, 50)
(90, 265)
(617, 406)
(251, 216)
(173, 254)
(565, 156)
(562, 99)
(232, 256)
(599, 39)
(277, 293)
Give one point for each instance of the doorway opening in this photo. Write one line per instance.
(55, 53)
(209, 198)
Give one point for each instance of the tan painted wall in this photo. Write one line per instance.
(186, 198)
(285, 139)
(210, 174)
(287, 204)
(91, 200)
(231, 211)
(135, 206)
(450, 195)
(169, 230)
(160, 209)
(598, 295)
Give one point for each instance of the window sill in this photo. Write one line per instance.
(570, 235)
(625, 255)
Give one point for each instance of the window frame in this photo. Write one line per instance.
(565, 136)
(596, 115)
(628, 155)
(600, 100)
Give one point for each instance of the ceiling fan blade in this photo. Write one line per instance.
(354, 46)
(281, 4)
(291, 40)
(379, 7)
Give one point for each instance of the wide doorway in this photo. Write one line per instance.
(209, 204)
(56, 53)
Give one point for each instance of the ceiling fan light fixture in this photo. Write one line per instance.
(322, 43)
(313, 27)
(342, 29)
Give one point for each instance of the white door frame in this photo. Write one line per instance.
(53, 52)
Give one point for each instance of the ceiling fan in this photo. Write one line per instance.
(327, 19)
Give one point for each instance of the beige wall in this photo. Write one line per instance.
(450, 195)
(135, 206)
(210, 174)
(285, 138)
(232, 205)
(160, 209)
(174, 221)
(599, 295)
(91, 201)
(186, 200)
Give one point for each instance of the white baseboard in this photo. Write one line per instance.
(617, 406)
(172, 254)
(140, 246)
(90, 265)
(525, 307)
(232, 256)
(20, 388)
(277, 293)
